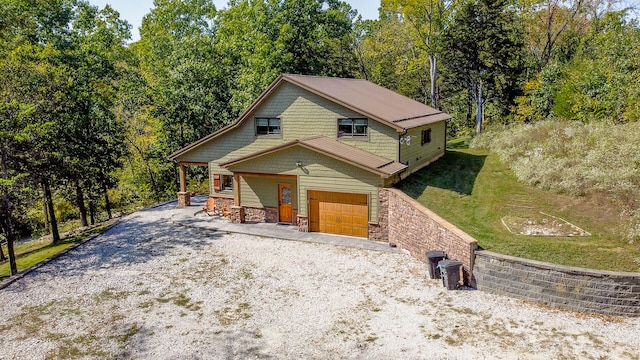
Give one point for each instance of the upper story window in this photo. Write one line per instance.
(426, 136)
(353, 128)
(267, 126)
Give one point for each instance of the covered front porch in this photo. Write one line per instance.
(252, 197)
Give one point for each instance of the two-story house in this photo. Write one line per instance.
(314, 151)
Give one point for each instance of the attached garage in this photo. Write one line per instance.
(338, 213)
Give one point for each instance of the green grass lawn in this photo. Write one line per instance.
(31, 253)
(475, 191)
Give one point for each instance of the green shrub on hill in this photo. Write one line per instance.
(576, 159)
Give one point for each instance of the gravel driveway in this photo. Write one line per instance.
(147, 289)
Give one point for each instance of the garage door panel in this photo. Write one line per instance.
(339, 213)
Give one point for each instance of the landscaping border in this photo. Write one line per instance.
(572, 288)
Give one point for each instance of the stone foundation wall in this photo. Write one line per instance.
(219, 201)
(184, 199)
(303, 223)
(254, 214)
(604, 292)
(380, 231)
(266, 214)
(237, 215)
(418, 230)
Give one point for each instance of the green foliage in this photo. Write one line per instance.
(388, 57)
(601, 83)
(576, 159)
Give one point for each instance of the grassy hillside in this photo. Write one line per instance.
(475, 190)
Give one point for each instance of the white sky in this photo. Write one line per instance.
(133, 11)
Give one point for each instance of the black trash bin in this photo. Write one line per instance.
(434, 257)
(450, 270)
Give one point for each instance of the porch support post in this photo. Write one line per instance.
(183, 178)
(184, 198)
(236, 188)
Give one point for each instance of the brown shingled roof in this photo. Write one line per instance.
(337, 150)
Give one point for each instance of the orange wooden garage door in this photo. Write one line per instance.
(338, 213)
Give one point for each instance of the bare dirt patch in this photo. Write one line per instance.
(541, 224)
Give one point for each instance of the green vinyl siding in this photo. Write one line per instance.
(318, 172)
(263, 192)
(418, 155)
(313, 164)
(302, 114)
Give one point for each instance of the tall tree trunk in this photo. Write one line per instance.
(433, 73)
(7, 223)
(92, 211)
(80, 203)
(470, 96)
(7, 228)
(107, 203)
(52, 215)
(3, 257)
(46, 212)
(479, 108)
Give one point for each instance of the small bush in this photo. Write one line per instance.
(576, 159)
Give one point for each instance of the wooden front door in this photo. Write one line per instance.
(285, 209)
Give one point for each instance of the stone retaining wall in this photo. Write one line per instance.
(605, 292)
(417, 229)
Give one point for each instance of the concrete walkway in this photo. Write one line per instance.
(192, 216)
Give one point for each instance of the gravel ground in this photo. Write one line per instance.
(147, 289)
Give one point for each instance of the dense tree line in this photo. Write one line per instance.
(87, 119)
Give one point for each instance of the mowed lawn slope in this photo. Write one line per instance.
(474, 190)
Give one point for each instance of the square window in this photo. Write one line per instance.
(267, 126)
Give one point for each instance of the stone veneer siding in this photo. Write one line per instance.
(418, 230)
(220, 201)
(266, 214)
(303, 223)
(184, 199)
(599, 291)
(237, 215)
(380, 231)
